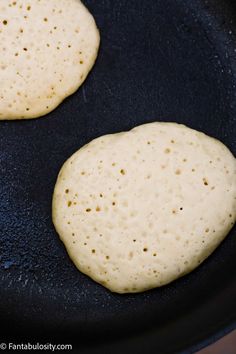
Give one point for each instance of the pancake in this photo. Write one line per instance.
(47, 50)
(139, 209)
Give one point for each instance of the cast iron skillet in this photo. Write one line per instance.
(170, 60)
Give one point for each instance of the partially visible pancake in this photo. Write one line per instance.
(137, 210)
(47, 49)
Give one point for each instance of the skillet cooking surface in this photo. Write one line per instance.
(170, 60)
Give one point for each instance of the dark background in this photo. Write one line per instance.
(167, 60)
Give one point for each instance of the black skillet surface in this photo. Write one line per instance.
(170, 60)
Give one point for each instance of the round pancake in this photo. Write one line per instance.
(139, 209)
(47, 50)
